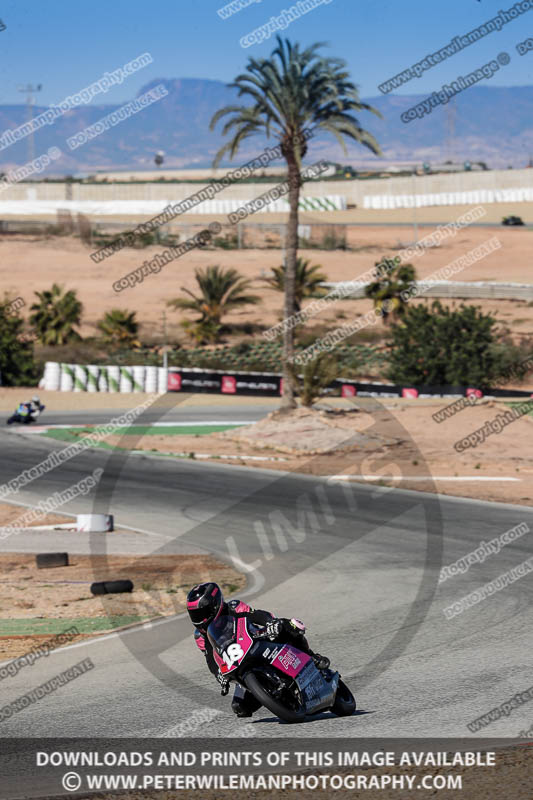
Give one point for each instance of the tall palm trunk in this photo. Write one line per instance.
(291, 254)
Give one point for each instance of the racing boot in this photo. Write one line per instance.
(244, 704)
(240, 709)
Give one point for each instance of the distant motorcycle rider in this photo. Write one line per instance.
(34, 407)
(205, 603)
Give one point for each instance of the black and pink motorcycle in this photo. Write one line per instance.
(282, 678)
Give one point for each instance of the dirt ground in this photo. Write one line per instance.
(393, 440)
(65, 260)
(160, 588)
(9, 514)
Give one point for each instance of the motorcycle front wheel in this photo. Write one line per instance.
(260, 686)
(344, 704)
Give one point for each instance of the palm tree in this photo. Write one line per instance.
(306, 282)
(317, 375)
(391, 289)
(293, 93)
(221, 291)
(119, 327)
(55, 315)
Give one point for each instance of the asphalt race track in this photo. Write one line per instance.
(188, 413)
(360, 564)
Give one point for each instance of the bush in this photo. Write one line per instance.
(55, 315)
(119, 328)
(203, 331)
(438, 345)
(393, 279)
(17, 367)
(229, 242)
(317, 375)
(515, 361)
(333, 241)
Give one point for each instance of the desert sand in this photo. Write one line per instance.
(160, 588)
(31, 264)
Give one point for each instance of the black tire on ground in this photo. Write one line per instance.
(111, 587)
(254, 685)
(344, 704)
(45, 560)
(115, 587)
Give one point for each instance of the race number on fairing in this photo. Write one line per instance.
(233, 653)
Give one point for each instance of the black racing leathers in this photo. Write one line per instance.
(244, 703)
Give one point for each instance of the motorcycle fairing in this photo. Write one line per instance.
(236, 651)
(291, 661)
(317, 692)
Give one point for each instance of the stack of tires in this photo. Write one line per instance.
(80, 378)
(52, 376)
(93, 377)
(151, 378)
(67, 378)
(103, 380)
(126, 380)
(162, 380)
(139, 377)
(113, 379)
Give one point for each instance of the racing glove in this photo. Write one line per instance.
(224, 684)
(273, 629)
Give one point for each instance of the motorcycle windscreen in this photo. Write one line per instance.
(230, 640)
(221, 633)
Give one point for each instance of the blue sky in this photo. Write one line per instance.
(67, 45)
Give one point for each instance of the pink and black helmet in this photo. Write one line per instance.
(204, 604)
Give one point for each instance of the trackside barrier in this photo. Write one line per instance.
(265, 384)
(28, 208)
(482, 290)
(271, 385)
(390, 201)
(95, 378)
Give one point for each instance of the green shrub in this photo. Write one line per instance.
(388, 290)
(17, 366)
(119, 327)
(55, 315)
(229, 242)
(438, 345)
(316, 376)
(333, 241)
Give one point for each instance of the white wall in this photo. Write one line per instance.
(354, 191)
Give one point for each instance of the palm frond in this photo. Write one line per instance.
(220, 291)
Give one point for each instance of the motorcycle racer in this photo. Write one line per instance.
(205, 603)
(32, 407)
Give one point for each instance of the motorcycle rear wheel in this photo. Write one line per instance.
(261, 693)
(344, 704)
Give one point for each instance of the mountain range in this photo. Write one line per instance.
(482, 123)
